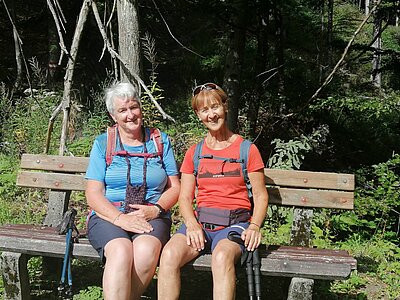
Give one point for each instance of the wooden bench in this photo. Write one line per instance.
(299, 189)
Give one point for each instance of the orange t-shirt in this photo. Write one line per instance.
(221, 185)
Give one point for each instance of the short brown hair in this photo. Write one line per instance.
(209, 96)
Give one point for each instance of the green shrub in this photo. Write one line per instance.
(377, 204)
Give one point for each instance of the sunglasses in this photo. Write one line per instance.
(207, 86)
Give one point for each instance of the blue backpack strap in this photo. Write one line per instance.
(196, 157)
(244, 156)
(243, 159)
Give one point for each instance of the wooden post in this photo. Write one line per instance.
(56, 207)
(15, 276)
(301, 288)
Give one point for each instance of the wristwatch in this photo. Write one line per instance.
(161, 210)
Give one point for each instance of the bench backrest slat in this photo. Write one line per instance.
(311, 198)
(285, 187)
(307, 179)
(53, 181)
(67, 164)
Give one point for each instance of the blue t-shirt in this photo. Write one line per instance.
(114, 176)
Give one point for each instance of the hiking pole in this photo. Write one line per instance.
(67, 226)
(63, 290)
(252, 259)
(257, 273)
(250, 274)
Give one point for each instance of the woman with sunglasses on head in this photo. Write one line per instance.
(130, 194)
(221, 194)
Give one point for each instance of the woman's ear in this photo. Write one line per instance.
(111, 115)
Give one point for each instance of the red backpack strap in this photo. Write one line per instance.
(111, 141)
(155, 135)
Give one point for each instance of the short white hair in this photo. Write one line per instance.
(120, 90)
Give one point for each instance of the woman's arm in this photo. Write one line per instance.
(252, 235)
(98, 202)
(170, 196)
(105, 210)
(167, 200)
(194, 232)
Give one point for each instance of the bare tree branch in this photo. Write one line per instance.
(66, 101)
(60, 36)
(113, 53)
(50, 127)
(330, 76)
(20, 51)
(170, 32)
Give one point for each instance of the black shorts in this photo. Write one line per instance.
(100, 232)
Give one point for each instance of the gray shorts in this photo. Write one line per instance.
(100, 232)
(214, 236)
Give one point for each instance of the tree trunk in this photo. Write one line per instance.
(234, 60)
(376, 76)
(330, 32)
(260, 66)
(17, 48)
(279, 50)
(54, 52)
(68, 80)
(129, 38)
(367, 7)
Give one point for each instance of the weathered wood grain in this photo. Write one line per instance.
(284, 261)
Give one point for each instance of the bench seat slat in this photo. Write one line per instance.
(307, 179)
(276, 260)
(41, 240)
(54, 181)
(287, 268)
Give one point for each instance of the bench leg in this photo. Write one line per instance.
(15, 276)
(300, 289)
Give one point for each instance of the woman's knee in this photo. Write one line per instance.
(146, 252)
(224, 256)
(173, 253)
(119, 250)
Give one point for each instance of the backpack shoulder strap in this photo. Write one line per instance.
(155, 135)
(196, 157)
(111, 141)
(244, 157)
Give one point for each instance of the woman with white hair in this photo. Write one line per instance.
(130, 196)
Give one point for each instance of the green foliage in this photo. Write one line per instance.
(363, 127)
(95, 125)
(377, 204)
(378, 266)
(378, 199)
(90, 293)
(38, 72)
(26, 126)
(17, 205)
(290, 155)
(277, 226)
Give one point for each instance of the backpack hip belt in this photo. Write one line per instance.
(222, 217)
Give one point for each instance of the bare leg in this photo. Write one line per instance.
(118, 269)
(224, 256)
(146, 251)
(173, 257)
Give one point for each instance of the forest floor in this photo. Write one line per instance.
(195, 286)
